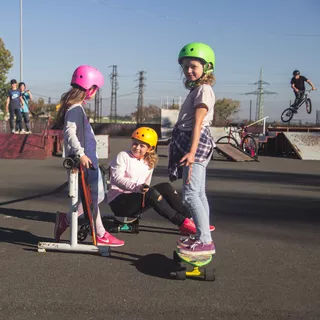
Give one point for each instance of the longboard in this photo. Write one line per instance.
(85, 195)
(198, 263)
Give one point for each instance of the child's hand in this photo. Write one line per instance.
(187, 160)
(144, 188)
(85, 162)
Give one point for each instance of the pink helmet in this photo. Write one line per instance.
(86, 77)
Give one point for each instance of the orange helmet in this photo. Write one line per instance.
(146, 135)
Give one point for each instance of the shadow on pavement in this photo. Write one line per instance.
(29, 214)
(156, 265)
(21, 237)
(57, 190)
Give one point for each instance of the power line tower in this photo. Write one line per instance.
(97, 102)
(318, 117)
(260, 92)
(114, 88)
(141, 85)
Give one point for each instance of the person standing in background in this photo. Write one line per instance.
(26, 96)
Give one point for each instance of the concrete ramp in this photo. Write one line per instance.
(232, 152)
(305, 144)
(27, 146)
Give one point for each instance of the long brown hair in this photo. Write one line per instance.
(73, 96)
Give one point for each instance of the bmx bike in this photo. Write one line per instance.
(288, 113)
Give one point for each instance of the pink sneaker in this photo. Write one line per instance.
(109, 240)
(61, 225)
(187, 227)
(212, 228)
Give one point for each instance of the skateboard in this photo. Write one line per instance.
(125, 224)
(113, 225)
(198, 264)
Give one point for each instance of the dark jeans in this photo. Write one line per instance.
(16, 112)
(163, 198)
(25, 116)
(299, 97)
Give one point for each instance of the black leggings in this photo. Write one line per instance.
(162, 197)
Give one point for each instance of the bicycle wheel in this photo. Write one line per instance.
(308, 105)
(287, 115)
(226, 140)
(249, 146)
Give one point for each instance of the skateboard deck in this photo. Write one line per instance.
(85, 194)
(125, 220)
(194, 260)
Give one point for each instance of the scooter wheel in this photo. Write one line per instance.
(82, 235)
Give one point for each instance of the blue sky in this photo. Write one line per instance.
(276, 35)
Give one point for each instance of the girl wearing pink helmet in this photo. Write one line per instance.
(79, 140)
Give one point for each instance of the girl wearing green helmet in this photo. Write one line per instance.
(191, 144)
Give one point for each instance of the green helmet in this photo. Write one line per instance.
(200, 51)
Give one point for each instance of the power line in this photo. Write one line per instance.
(97, 109)
(260, 92)
(141, 86)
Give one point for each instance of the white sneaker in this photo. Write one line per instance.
(22, 131)
(13, 131)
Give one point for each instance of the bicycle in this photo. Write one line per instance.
(247, 141)
(288, 113)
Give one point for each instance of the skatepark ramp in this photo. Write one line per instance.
(233, 153)
(305, 144)
(29, 146)
(300, 143)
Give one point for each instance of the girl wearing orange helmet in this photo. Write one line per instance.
(130, 192)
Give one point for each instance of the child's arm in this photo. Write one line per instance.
(74, 118)
(117, 171)
(7, 104)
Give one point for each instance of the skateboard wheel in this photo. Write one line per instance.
(82, 235)
(114, 230)
(181, 275)
(209, 275)
(135, 227)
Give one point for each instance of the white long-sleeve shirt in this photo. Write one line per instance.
(127, 173)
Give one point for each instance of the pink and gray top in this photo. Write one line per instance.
(127, 174)
(201, 95)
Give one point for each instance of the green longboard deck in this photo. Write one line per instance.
(197, 261)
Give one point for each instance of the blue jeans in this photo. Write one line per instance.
(195, 198)
(16, 112)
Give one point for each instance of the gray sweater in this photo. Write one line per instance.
(74, 131)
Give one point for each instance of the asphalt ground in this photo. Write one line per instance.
(267, 238)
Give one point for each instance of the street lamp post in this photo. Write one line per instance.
(21, 55)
